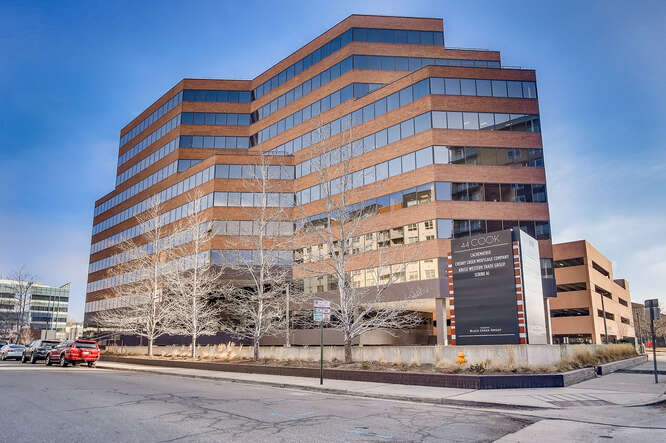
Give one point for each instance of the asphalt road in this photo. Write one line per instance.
(41, 404)
(81, 404)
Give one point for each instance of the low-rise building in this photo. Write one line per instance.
(591, 306)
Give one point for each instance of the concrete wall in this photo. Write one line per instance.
(532, 356)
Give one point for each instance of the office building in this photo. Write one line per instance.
(591, 304)
(443, 143)
(46, 306)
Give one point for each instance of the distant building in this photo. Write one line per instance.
(586, 295)
(73, 330)
(46, 307)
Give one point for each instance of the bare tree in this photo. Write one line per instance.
(260, 306)
(22, 284)
(193, 281)
(144, 311)
(357, 310)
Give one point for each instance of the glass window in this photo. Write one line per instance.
(470, 120)
(441, 154)
(515, 89)
(467, 86)
(369, 143)
(368, 113)
(235, 171)
(527, 226)
(492, 192)
(369, 175)
(395, 167)
(220, 199)
(444, 228)
(486, 120)
(247, 199)
(475, 191)
(381, 171)
(381, 138)
(424, 157)
(460, 228)
(221, 171)
(422, 122)
(443, 191)
(234, 199)
(405, 96)
(454, 120)
(394, 133)
(439, 119)
(408, 162)
(393, 101)
(452, 86)
(483, 88)
(529, 90)
(247, 171)
(421, 89)
(407, 128)
(499, 88)
(539, 193)
(437, 85)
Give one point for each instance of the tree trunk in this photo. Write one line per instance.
(348, 351)
(194, 346)
(256, 349)
(150, 347)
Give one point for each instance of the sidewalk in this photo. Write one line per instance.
(621, 389)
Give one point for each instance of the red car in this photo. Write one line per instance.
(74, 351)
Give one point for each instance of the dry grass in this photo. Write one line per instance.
(285, 357)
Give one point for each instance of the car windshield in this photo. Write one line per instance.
(86, 345)
(49, 343)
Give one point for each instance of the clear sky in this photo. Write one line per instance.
(73, 73)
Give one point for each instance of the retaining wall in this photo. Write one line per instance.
(530, 356)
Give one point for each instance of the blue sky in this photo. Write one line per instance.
(73, 73)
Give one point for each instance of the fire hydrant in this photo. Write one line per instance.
(461, 358)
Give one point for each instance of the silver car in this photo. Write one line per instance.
(11, 351)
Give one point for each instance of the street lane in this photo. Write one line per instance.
(41, 403)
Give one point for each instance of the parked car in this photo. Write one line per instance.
(74, 351)
(38, 350)
(11, 351)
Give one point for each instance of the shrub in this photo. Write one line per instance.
(478, 368)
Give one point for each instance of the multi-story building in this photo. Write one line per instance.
(591, 306)
(443, 143)
(45, 306)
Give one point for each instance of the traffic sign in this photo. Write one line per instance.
(652, 308)
(322, 311)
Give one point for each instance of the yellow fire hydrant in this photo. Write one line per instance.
(461, 358)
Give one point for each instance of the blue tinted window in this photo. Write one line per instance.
(452, 86)
(421, 89)
(467, 86)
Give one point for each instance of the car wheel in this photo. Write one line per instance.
(48, 360)
(33, 360)
(63, 361)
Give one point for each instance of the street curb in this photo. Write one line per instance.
(415, 399)
(620, 365)
(463, 381)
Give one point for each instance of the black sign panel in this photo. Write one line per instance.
(485, 290)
